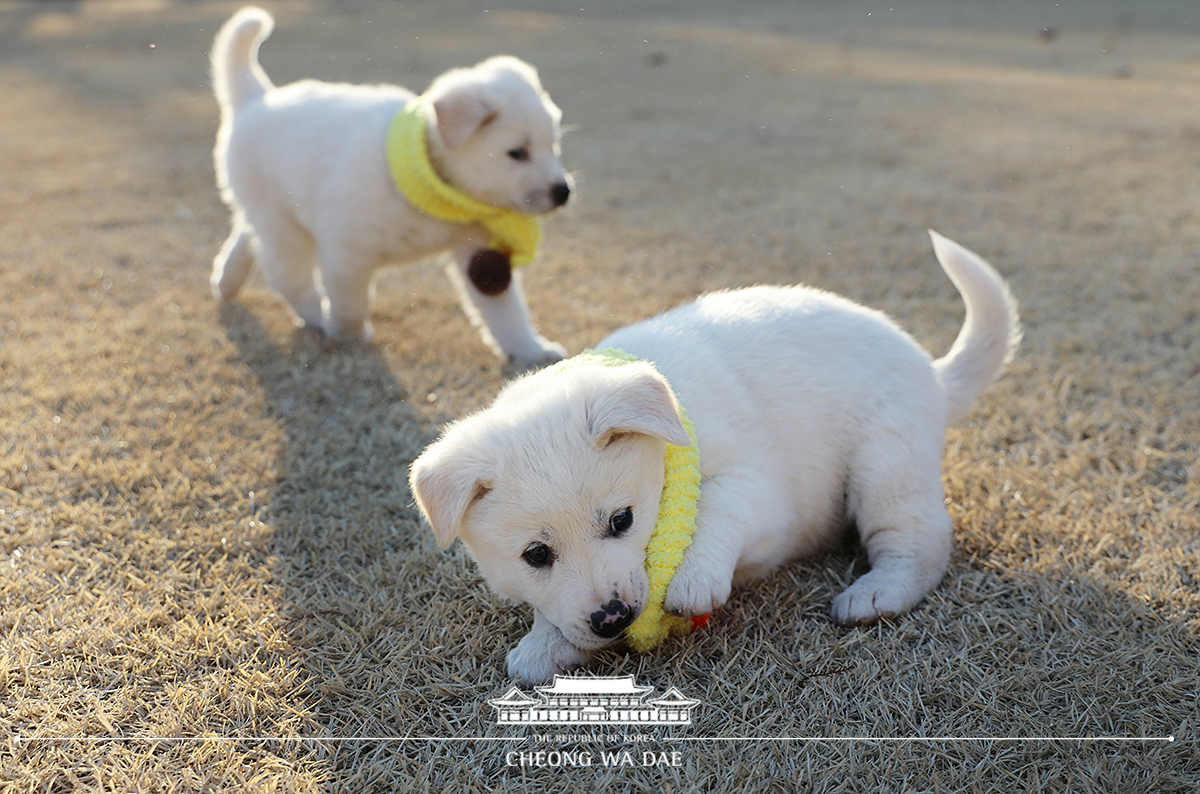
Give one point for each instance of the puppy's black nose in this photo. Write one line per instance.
(560, 193)
(613, 618)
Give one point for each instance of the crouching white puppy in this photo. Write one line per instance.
(810, 413)
(327, 182)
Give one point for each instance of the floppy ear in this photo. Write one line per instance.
(446, 480)
(460, 113)
(635, 399)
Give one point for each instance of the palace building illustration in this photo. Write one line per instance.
(611, 700)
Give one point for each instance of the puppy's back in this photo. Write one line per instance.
(757, 366)
(776, 338)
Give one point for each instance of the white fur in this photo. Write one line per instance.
(811, 413)
(304, 172)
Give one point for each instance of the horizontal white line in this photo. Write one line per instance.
(805, 739)
(269, 738)
(921, 739)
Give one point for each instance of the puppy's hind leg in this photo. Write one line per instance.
(901, 515)
(348, 284)
(501, 313)
(288, 257)
(233, 262)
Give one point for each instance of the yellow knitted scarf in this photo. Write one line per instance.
(513, 233)
(672, 532)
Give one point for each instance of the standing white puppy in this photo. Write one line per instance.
(327, 182)
(810, 413)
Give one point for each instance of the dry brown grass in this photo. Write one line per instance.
(204, 527)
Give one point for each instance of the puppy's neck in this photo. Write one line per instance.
(513, 233)
(674, 527)
(435, 150)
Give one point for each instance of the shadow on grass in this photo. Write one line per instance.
(401, 639)
(347, 545)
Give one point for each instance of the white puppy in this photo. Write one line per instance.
(811, 413)
(303, 168)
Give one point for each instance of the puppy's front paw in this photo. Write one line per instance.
(698, 588)
(542, 353)
(536, 661)
(875, 595)
(348, 333)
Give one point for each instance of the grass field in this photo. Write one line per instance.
(212, 576)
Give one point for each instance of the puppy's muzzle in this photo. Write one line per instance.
(613, 618)
(560, 193)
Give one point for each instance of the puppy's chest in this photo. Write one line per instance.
(412, 235)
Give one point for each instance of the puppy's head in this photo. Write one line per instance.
(496, 136)
(555, 490)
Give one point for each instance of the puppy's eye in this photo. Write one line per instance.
(620, 521)
(538, 555)
(520, 154)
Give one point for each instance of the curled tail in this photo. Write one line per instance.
(237, 77)
(990, 333)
